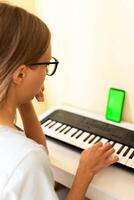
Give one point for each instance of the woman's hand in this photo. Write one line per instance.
(96, 158)
(40, 96)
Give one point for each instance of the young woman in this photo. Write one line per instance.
(25, 60)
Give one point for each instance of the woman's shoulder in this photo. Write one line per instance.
(15, 147)
(16, 139)
(23, 160)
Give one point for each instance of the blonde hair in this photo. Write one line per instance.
(23, 39)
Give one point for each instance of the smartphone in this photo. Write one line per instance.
(115, 104)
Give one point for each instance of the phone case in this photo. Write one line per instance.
(115, 104)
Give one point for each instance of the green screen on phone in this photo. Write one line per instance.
(115, 104)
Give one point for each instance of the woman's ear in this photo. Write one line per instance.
(19, 74)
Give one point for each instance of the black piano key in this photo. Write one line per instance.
(48, 123)
(91, 140)
(132, 155)
(86, 138)
(113, 144)
(120, 149)
(97, 140)
(52, 125)
(58, 127)
(79, 135)
(74, 133)
(67, 130)
(126, 152)
(63, 129)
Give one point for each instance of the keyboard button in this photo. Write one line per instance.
(80, 133)
(117, 146)
(95, 140)
(51, 125)
(47, 122)
(132, 155)
(62, 128)
(104, 141)
(129, 163)
(57, 125)
(67, 129)
(132, 164)
(71, 132)
(86, 138)
(91, 138)
(120, 149)
(75, 133)
(126, 159)
(121, 158)
(82, 141)
(126, 152)
(98, 140)
(56, 129)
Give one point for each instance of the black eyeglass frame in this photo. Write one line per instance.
(56, 62)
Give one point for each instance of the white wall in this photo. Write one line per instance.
(94, 42)
(26, 4)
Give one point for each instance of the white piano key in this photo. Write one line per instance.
(132, 163)
(79, 141)
(90, 138)
(104, 140)
(68, 137)
(83, 136)
(86, 143)
(126, 158)
(117, 146)
(62, 127)
(75, 134)
(47, 122)
(55, 134)
(94, 141)
(83, 144)
(111, 142)
(56, 126)
(78, 134)
(121, 158)
(51, 125)
(71, 132)
(52, 122)
(129, 162)
(47, 127)
(74, 137)
(66, 130)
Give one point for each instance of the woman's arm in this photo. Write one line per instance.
(31, 123)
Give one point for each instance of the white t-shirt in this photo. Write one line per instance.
(24, 168)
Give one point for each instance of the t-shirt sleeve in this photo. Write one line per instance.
(31, 180)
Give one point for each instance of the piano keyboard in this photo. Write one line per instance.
(82, 132)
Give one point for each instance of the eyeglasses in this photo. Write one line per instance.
(51, 66)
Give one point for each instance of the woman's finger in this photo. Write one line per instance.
(112, 160)
(106, 147)
(40, 96)
(97, 145)
(109, 152)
